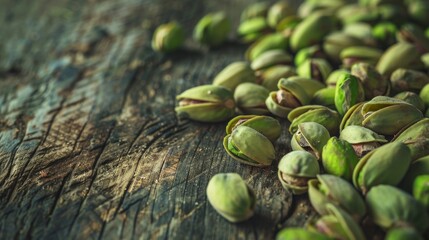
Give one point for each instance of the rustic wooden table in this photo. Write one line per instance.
(90, 147)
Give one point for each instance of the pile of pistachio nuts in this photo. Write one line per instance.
(352, 80)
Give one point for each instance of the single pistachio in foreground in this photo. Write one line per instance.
(231, 197)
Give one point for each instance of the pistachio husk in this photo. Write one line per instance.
(339, 158)
(311, 137)
(206, 103)
(231, 197)
(266, 125)
(234, 74)
(168, 37)
(250, 98)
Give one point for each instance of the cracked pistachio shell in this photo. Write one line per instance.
(379, 112)
(332, 79)
(271, 58)
(254, 10)
(418, 10)
(338, 224)
(402, 233)
(390, 207)
(268, 126)
(300, 234)
(212, 29)
(417, 168)
(374, 84)
(314, 113)
(335, 42)
(424, 94)
(408, 80)
(250, 98)
(324, 97)
(311, 137)
(353, 116)
(387, 164)
(337, 191)
(206, 103)
(270, 77)
(412, 98)
(234, 74)
(416, 137)
(399, 55)
(249, 146)
(231, 197)
(312, 30)
(295, 170)
(168, 37)
(339, 158)
(348, 92)
(355, 54)
(421, 190)
(314, 51)
(363, 140)
(252, 29)
(415, 35)
(315, 68)
(268, 42)
(278, 11)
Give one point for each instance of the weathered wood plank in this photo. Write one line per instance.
(89, 143)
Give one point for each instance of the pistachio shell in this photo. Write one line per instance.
(314, 113)
(168, 37)
(248, 146)
(400, 55)
(311, 137)
(295, 169)
(337, 191)
(231, 197)
(299, 234)
(348, 92)
(234, 74)
(271, 58)
(266, 125)
(390, 207)
(206, 103)
(212, 29)
(339, 158)
(387, 164)
(250, 98)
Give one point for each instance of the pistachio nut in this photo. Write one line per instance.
(338, 224)
(408, 80)
(206, 103)
(266, 125)
(390, 207)
(333, 77)
(387, 164)
(315, 68)
(335, 42)
(289, 96)
(399, 55)
(311, 30)
(353, 116)
(412, 98)
(379, 112)
(300, 234)
(421, 190)
(402, 233)
(324, 97)
(424, 94)
(339, 158)
(266, 43)
(337, 191)
(250, 98)
(271, 58)
(314, 51)
(231, 197)
(270, 77)
(415, 35)
(417, 168)
(418, 10)
(374, 84)
(355, 54)
(416, 137)
(252, 29)
(212, 29)
(168, 37)
(278, 11)
(310, 137)
(314, 113)
(295, 170)
(348, 92)
(385, 33)
(254, 10)
(234, 74)
(248, 146)
(363, 140)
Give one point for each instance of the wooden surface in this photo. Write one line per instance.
(90, 147)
